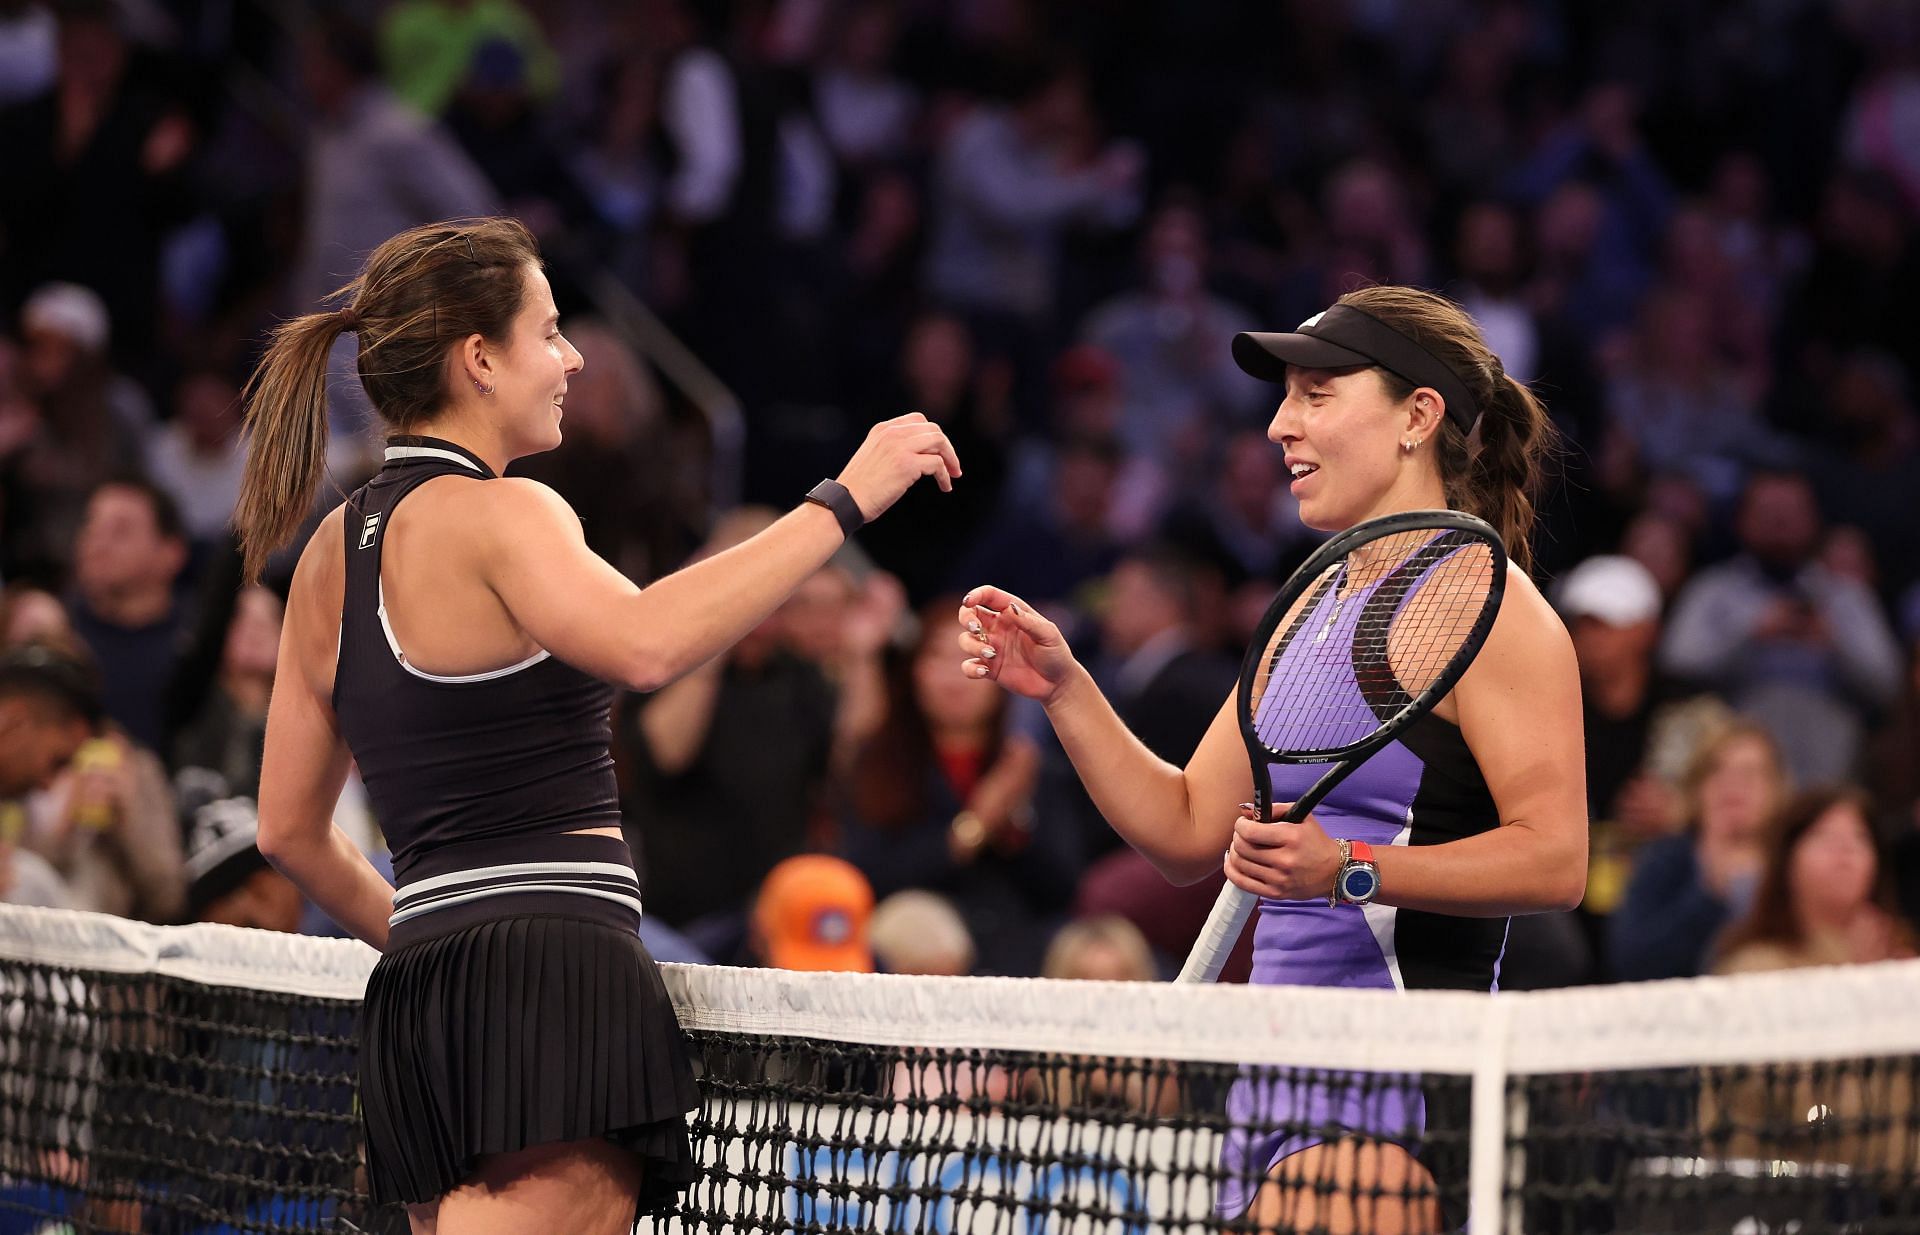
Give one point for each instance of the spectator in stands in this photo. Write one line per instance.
(98, 171)
(1678, 404)
(127, 560)
(812, 914)
(229, 882)
(1612, 609)
(1864, 472)
(197, 457)
(1180, 389)
(1824, 896)
(867, 110)
(1056, 546)
(941, 798)
(746, 738)
(920, 932)
(1824, 899)
(942, 375)
(1795, 645)
(374, 167)
(1100, 949)
(1010, 182)
(49, 704)
(841, 621)
(429, 48)
(1489, 252)
(31, 615)
(1163, 679)
(80, 421)
(1244, 524)
(1686, 888)
(1596, 176)
(229, 734)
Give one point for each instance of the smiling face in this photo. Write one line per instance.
(529, 374)
(1342, 431)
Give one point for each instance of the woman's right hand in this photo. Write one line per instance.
(896, 453)
(1007, 641)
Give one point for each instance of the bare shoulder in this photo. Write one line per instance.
(1527, 629)
(508, 509)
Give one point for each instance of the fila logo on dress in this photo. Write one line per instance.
(368, 529)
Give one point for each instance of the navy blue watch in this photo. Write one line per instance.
(1358, 880)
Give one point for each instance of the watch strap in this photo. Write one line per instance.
(834, 496)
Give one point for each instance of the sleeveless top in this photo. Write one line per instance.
(1424, 788)
(514, 752)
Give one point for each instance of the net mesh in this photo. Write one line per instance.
(201, 1080)
(1371, 634)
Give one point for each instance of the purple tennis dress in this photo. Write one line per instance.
(1423, 789)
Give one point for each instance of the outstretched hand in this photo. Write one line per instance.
(896, 453)
(1007, 641)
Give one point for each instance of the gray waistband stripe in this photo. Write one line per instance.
(608, 881)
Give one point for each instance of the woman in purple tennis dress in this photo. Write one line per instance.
(1392, 402)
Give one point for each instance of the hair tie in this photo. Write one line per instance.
(349, 319)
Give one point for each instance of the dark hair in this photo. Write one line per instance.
(422, 292)
(1772, 918)
(888, 782)
(1495, 471)
(66, 687)
(1173, 571)
(166, 511)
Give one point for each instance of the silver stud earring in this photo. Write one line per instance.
(1409, 445)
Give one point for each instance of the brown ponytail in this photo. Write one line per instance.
(423, 291)
(287, 431)
(1495, 471)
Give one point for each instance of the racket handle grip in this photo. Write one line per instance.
(1224, 924)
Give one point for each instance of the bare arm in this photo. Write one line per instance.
(1180, 819)
(305, 762)
(675, 721)
(584, 611)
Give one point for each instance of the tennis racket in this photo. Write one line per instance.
(1372, 631)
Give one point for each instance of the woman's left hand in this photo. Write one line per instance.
(1282, 861)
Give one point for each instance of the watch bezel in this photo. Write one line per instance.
(1364, 870)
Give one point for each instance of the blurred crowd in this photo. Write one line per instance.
(1693, 225)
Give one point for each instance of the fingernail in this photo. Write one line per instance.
(976, 628)
(1013, 607)
(988, 652)
(1246, 806)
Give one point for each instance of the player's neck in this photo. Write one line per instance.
(468, 434)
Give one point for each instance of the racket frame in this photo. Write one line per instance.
(1235, 905)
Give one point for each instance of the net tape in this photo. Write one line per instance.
(857, 1102)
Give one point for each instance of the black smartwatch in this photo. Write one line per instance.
(834, 496)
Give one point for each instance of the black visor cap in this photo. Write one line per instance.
(1343, 337)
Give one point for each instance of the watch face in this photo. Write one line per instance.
(1359, 883)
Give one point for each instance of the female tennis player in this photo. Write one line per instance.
(1393, 403)
(450, 632)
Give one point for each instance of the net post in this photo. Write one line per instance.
(1488, 1145)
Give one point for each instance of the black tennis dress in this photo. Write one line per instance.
(515, 1005)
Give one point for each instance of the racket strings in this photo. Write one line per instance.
(1376, 631)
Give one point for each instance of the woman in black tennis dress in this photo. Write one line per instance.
(450, 632)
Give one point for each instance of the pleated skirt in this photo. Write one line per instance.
(524, 1029)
